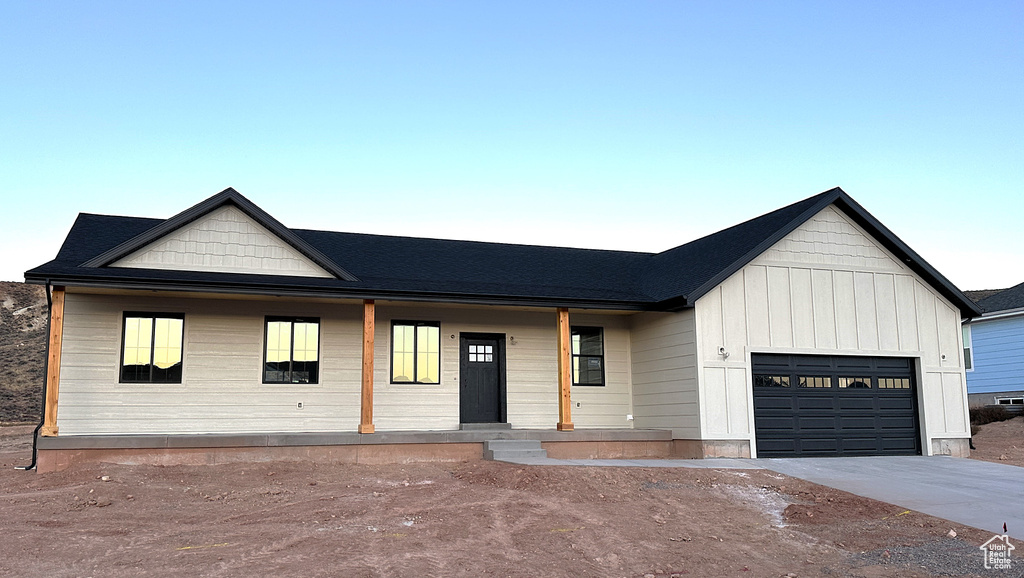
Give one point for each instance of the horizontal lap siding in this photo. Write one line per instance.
(998, 356)
(826, 288)
(531, 370)
(607, 406)
(221, 389)
(664, 365)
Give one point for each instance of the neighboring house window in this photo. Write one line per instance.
(587, 356)
(152, 348)
(292, 351)
(415, 352)
(968, 350)
(1010, 400)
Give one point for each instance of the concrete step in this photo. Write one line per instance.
(511, 445)
(484, 426)
(501, 450)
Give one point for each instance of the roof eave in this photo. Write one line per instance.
(242, 287)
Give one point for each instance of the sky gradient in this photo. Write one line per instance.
(628, 125)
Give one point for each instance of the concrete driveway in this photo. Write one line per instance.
(971, 492)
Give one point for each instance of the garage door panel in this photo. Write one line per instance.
(896, 403)
(886, 422)
(854, 403)
(779, 423)
(779, 447)
(849, 423)
(821, 445)
(897, 444)
(815, 403)
(773, 403)
(811, 424)
(830, 420)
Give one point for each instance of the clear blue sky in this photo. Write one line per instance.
(632, 125)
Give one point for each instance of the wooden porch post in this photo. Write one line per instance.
(366, 400)
(564, 371)
(53, 363)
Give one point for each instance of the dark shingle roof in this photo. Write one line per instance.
(978, 294)
(381, 267)
(1007, 299)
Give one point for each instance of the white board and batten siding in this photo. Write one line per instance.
(531, 362)
(224, 241)
(827, 288)
(222, 389)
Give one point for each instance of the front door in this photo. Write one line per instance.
(482, 377)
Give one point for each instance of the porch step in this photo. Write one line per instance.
(512, 450)
(484, 426)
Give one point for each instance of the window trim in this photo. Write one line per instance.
(152, 345)
(968, 347)
(267, 320)
(415, 350)
(573, 357)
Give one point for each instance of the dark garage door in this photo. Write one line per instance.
(820, 405)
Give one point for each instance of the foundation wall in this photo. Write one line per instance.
(62, 459)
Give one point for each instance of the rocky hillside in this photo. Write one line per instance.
(22, 350)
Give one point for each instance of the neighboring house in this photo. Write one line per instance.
(994, 350)
(222, 334)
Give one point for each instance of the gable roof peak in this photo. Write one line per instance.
(205, 207)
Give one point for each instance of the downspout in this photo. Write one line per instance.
(46, 371)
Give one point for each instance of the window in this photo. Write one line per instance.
(1010, 400)
(814, 382)
(481, 353)
(587, 356)
(855, 382)
(152, 348)
(292, 350)
(893, 383)
(416, 352)
(771, 381)
(968, 350)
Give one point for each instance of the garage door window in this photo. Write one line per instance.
(893, 383)
(855, 382)
(771, 381)
(815, 382)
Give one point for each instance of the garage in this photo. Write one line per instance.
(821, 405)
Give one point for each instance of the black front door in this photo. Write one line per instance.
(482, 377)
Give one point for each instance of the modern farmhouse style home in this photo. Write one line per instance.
(220, 334)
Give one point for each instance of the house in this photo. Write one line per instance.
(994, 350)
(221, 334)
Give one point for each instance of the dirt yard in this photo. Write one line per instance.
(464, 519)
(1001, 442)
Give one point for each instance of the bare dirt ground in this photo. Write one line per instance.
(1001, 442)
(464, 519)
(22, 351)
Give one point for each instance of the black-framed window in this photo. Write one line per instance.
(151, 347)
(587, 355)
(415, 352)
(291, 352)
